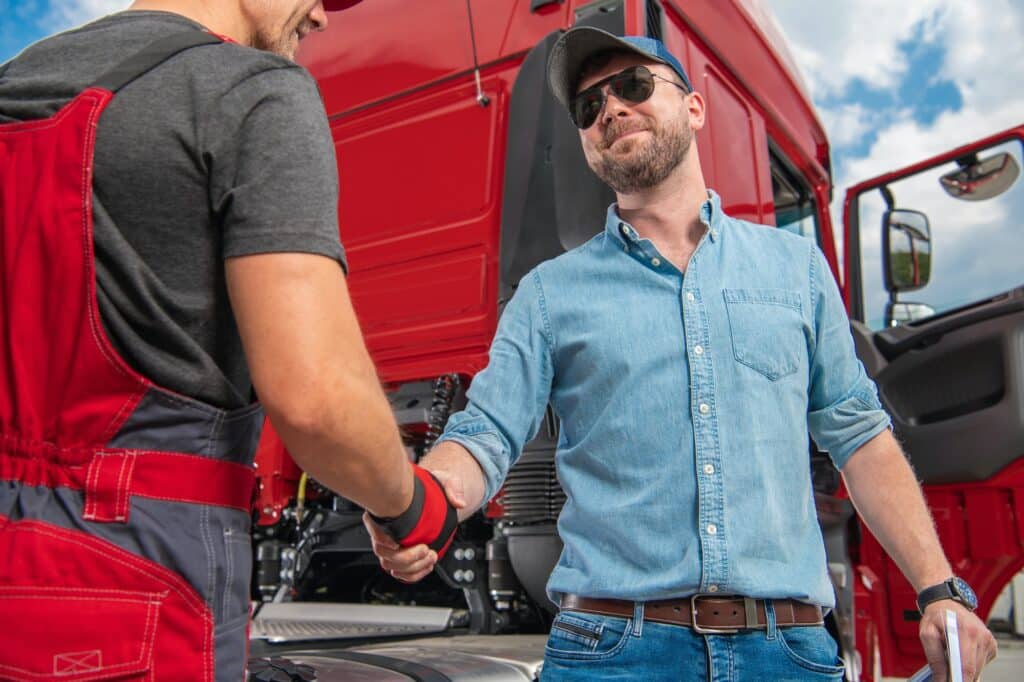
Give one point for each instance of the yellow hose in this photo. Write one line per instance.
(301, 497)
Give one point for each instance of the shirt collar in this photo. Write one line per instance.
(621, 231)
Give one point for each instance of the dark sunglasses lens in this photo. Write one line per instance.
(586, 107)
(633, 85)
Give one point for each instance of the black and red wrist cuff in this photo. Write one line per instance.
(430, 519)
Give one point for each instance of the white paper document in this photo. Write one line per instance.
(956, 668)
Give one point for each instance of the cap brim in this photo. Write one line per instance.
(572, 49)
(338, 5)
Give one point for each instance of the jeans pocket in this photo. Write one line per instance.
(586, 636)
(767, 330)
(813, 649)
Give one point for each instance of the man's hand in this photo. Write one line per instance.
(977, 645)
(412, 564)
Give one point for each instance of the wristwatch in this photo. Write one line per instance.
(955, 588)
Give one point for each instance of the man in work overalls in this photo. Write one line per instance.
(169, 245)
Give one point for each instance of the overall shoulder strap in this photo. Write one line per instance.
(152, 56)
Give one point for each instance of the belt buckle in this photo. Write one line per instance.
(700, 629)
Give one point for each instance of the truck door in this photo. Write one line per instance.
(937, 303)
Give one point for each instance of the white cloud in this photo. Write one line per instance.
(847, 123)
(62, 15)
(837, 43)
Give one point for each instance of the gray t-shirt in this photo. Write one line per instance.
(221, 151)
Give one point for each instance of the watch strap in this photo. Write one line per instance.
(933, 594)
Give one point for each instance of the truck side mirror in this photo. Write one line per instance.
(900, 313)
(907, 250)
(977, 180)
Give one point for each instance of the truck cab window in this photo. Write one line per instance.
(795, 209)
(975, 240)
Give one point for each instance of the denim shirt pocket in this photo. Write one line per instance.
(767, 330)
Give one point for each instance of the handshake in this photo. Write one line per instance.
(409, 545)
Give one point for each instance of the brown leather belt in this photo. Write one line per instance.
(714, 614)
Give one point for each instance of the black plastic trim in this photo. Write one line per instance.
(417, 671)
(896, 341)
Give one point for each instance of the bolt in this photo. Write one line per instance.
(458, 554)
(469, 554)
(458, 576)
(469, 575)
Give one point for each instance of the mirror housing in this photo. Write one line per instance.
(897, 312)
(980, 179)
(906, 250)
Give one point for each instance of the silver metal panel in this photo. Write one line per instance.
(463, 657)
(295, 621)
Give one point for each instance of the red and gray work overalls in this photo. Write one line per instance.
(124, 507)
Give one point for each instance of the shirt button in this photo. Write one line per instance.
(698, 350)
(655, 262)
(690, 297)
(712, 529)
(709, 469)
(712, 588)
(704, 408)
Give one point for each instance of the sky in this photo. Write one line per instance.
(893, 83)
(897, 82)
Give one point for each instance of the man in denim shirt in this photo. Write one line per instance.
(687, 355)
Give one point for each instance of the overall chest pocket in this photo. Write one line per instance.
(767, 330)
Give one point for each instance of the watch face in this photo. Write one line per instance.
(962, 590)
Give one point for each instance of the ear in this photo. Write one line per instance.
(696, 107)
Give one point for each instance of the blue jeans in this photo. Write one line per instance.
(584, 646)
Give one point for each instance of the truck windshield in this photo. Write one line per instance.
(976, 245)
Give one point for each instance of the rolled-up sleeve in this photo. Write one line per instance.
(507, 399)
(844, 411)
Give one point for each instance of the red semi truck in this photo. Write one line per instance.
(459, 173)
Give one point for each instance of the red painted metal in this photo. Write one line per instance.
(277, 477)
(981, 526)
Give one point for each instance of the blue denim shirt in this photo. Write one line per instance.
(685, 402)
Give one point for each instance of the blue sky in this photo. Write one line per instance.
(25, 21)
(893, 83)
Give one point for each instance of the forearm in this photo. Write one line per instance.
(353, 449)
(312, 371)
(453, 459)
(889, 500)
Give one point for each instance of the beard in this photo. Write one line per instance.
(641, 164)
(283, 43)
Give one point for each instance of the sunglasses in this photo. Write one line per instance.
(633, 85)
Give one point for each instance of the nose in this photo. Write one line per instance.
(614, 107)
(318, 17)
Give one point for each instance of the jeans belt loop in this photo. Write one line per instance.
(638, 619)
(750, 613)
